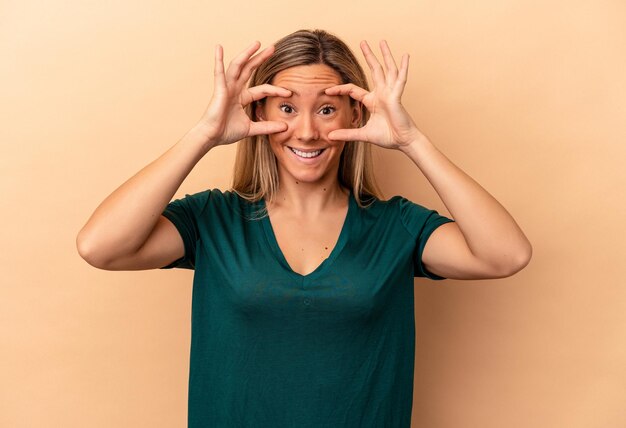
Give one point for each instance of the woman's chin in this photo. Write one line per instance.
(311, 177)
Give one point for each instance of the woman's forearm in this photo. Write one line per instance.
(124, 220)
(490, 231)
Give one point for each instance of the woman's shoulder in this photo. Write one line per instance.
(373, 209)
(376, 205)
(215, 195)
(209, 198)
(398, 207)
(399, 202)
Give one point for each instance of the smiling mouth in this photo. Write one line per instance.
(307, 155)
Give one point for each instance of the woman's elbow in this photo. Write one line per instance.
(517, 261)
(90, 252)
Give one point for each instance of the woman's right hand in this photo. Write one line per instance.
(225, 120)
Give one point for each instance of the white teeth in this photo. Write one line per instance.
(306, 154)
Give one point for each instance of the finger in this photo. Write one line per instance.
(403, 73)
(269, 127)
(348, 134)
(390, 63)
(218, 70)
(235, 66)
(350, 89)
(254, 62)
(377, 70)
(258, 92)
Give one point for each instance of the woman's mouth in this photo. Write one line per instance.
(307, 155)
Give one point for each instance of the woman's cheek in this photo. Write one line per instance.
(331, 126)
(280, 137)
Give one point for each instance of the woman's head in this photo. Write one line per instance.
(256, 174)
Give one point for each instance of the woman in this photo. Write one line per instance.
(302, 311)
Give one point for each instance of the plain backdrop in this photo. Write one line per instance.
(527, 97)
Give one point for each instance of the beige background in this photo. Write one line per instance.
(528, 97)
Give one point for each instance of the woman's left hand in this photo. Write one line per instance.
(389, 125)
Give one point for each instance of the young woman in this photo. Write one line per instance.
(302, 310)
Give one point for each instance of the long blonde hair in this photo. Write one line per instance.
(256, 173)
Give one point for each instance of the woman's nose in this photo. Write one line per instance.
(305, 129)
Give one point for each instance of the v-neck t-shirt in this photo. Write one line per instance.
(273, 348)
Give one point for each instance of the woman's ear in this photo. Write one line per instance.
(356, 114)
(258, 112)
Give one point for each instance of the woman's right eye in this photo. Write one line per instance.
(286, 108)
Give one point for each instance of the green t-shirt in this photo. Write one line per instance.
(273, 348)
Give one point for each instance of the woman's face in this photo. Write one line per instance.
(304, 152)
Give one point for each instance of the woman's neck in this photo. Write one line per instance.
(309, 198)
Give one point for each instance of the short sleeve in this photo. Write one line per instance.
(184, 214)
(421, 222)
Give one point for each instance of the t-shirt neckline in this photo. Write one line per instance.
(326, 263)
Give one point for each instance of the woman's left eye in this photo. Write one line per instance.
(326, 110)
(286, 108)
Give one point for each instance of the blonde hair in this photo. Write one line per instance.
(256, 173)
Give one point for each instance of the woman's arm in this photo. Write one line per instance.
(484, 241)
(127, 231)
(123, 223)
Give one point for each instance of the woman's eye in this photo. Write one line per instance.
(326, 110)
(285, 108)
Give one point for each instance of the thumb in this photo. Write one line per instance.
(349, 134)
(269, 127)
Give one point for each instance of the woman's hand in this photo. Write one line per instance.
(225, 120)
(389, 125)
